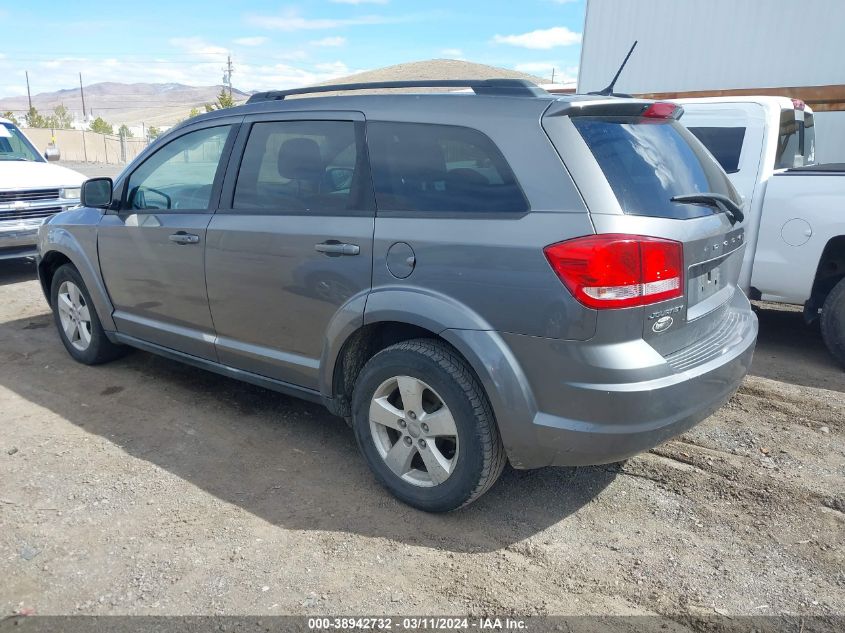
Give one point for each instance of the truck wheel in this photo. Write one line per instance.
(77, 321)
(425, 427)
(833, 322)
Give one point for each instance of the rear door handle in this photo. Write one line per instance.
(180, 237)
(334, 248)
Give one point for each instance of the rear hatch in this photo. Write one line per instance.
(632, 160)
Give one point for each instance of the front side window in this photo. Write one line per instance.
(299, 166)
(15, 146)
(441, 168)
(180, 175)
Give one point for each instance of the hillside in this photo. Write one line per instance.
(133, 104)
(432, 69)
(166, 104)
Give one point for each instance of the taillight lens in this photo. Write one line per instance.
(662, 110)
(619, 271)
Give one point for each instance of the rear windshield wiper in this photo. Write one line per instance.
(717, 201)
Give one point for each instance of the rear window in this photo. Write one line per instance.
(796, 140)
(440, 168)
(648, 162)
(725, 143)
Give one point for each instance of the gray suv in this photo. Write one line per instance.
(468, 278)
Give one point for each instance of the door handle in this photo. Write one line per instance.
(334, 248)
(180, 237)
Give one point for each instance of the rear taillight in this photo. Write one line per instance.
(619, 271)
(798, 104)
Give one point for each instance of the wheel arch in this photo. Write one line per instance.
(62, 247)
(350, 345)
(830, 270)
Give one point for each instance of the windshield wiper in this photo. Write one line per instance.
(717, 201)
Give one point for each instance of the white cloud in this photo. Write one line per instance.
(329, 41)
(360, 1)
(542, 38)
(565, 1)
(257, 40)
(199, 47)
(455, 53)
(291, 20)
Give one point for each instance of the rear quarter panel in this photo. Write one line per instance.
(801, 213)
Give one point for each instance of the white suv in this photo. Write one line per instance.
(31, 189)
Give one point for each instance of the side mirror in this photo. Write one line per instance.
(97, 193)
(52, 153)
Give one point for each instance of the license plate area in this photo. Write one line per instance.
(705, 280)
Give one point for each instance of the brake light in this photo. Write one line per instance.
(662, 110)
(798, 104)
(619, 271)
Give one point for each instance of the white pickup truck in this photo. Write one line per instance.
(794, 209)
(31, 189)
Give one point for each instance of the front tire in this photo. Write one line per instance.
(833, 322)
(425, 427)
(77, 321)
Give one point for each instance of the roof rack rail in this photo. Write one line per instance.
(498, 87)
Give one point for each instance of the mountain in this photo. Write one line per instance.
(132, 104)
(434, 69)
(166, 104)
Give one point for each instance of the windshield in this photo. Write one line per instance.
(648, 162)
(15, 146)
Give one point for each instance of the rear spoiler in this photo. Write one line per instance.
(616, 108)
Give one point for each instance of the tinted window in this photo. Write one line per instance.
(299, 166)
(421, 167)
(180, 175)
(649, 162)
(725, 143)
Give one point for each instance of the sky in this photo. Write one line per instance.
(275, 45)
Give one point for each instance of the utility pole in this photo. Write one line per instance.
(82, 94)
(28, 95)
(553, 75)
(228, 76)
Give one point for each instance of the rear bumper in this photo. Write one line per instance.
(583, 423)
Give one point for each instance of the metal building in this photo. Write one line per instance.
(690, 48)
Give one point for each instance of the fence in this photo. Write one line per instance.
(87, 146)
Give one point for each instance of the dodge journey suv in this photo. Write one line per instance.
(468, 278)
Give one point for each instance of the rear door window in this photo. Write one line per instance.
(725, 143)
(440, 168)
(300, 166)
(648, 162)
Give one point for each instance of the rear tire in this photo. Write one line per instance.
(77, 321)
(425, 427)
(833, 322)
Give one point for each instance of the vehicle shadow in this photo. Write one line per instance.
(789, 350)
(287, 461)
(14, 271)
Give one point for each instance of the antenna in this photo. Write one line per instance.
(608, 92)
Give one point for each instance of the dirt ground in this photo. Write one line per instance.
(149, 487)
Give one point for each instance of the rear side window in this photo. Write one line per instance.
(725, 143)
(796, 140)
(440, 168)
(305, 166)
(648, 162)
